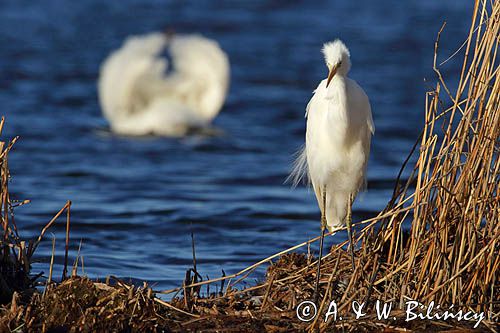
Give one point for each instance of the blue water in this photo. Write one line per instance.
(136, 200)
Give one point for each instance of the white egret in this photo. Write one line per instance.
(338, 136)
(139, 97)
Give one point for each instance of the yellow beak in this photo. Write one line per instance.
(332, 73)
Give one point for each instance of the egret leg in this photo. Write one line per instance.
(349, 230)
(323, 230)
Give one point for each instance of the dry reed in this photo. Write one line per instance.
(449, 255)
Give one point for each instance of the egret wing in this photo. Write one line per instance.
(310, 102)
(371, 125)
(300, 170)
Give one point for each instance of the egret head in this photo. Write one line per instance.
(337, 58)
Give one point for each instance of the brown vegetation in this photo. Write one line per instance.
(450, 255)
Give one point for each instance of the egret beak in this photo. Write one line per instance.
(332, 73)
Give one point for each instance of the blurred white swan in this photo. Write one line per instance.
(139, 97)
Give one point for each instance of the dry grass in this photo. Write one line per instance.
(450, 255)
(16, 254)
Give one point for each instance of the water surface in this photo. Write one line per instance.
(136, 200)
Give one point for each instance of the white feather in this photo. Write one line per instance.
(138, 97)
(338, 136)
